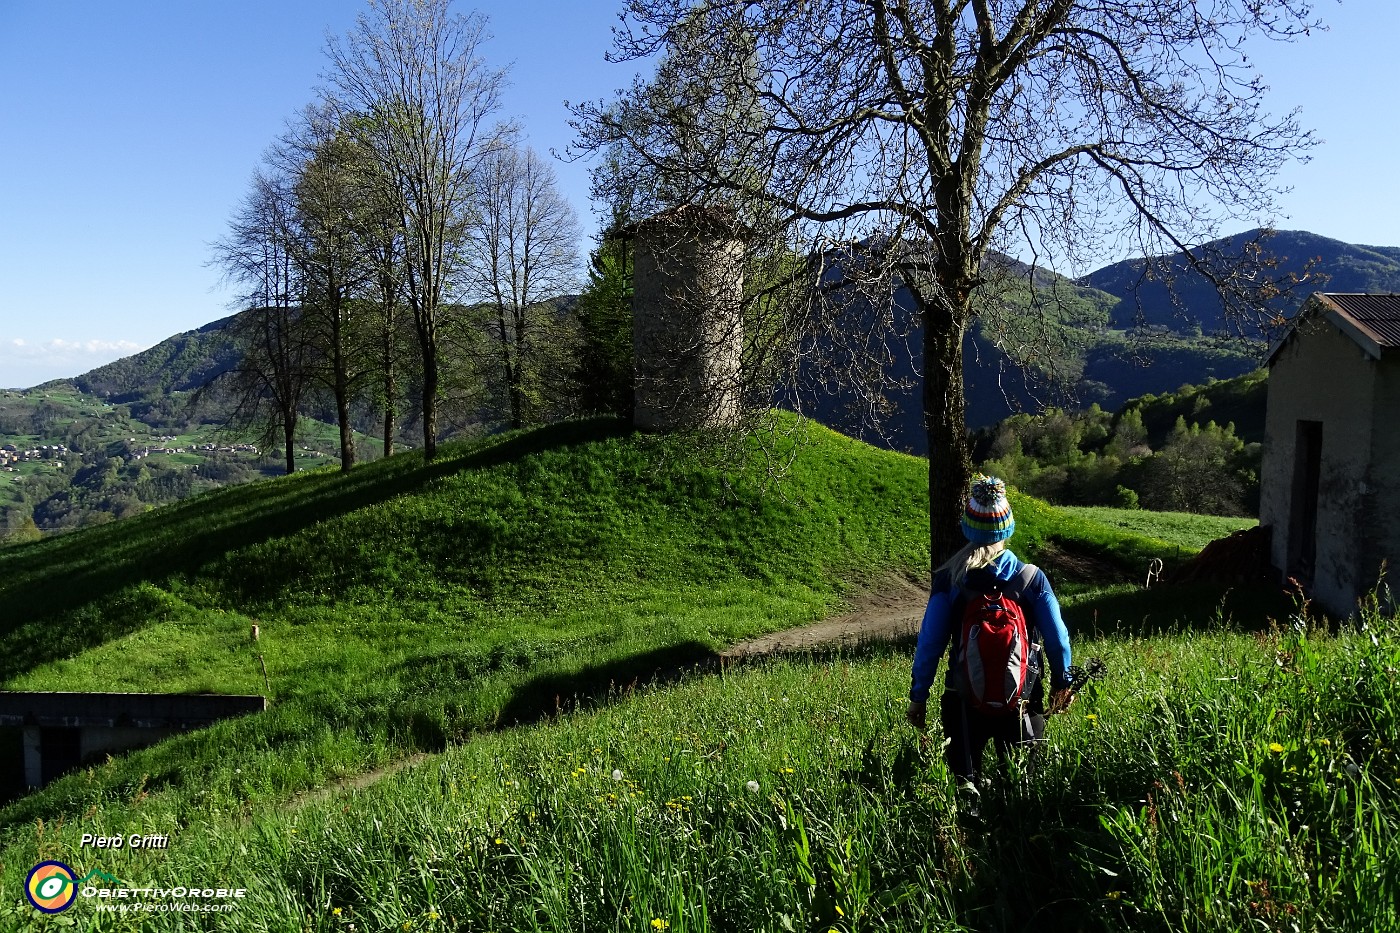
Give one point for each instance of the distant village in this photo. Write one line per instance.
(139, 453)
(10, 455)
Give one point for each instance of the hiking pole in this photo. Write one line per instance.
(1079, 678)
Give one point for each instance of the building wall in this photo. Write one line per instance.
(1383, 507)
(1321, 375)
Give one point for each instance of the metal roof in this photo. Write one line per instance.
(1378, 316)
(1372, 321)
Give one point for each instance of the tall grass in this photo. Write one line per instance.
(1229, 781)
(404, 606)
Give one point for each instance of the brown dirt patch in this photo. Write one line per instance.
(889, 609)
(1063, 563)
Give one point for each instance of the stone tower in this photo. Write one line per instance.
(687, 323)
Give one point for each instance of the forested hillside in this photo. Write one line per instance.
(1195, 450)
(1144, 298)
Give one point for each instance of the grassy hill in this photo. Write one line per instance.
(407, 609)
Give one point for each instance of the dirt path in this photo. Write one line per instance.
(890, 610)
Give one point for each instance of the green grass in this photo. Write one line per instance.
(1216, 782)
(1184, 529)
(406, 609)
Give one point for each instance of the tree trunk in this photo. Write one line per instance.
(507, 368)
(430, 393)
(341, 378)
(949, 461)
(517, 390)
(289, 433)
(386, 287)
(347, 435)
(389, 389)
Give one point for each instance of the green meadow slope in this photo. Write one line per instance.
(405, 606)
(408, 610)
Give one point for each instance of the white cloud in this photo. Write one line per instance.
(27, 363)
(58, 349)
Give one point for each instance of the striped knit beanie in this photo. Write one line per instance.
(987, 518)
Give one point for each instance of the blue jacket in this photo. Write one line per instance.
(1042, 614)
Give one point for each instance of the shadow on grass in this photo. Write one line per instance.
(1122, 611)
(555, 693)
(45, 580)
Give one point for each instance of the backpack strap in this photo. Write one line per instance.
(1016, 587)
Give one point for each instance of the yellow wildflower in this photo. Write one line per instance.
(1276, 748)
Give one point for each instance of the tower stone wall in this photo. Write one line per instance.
(687, 322)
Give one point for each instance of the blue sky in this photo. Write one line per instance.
(129, 132)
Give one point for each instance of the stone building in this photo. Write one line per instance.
(687, 320)
(1330, 481)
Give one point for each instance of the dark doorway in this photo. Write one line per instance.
(12, 775)
(1302, 522)
(60, 750)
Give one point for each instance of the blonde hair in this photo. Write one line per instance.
(970, 557)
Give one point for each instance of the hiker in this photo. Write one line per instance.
(984, 565)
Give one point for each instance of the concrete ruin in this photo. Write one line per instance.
(63, 731)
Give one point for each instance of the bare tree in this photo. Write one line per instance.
(273, 377)
(522, 253)
(912, 138)
(331, 240)
(412, 71)
(384, 252)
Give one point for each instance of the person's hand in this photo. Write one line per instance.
(1061, 700)
(917, 714)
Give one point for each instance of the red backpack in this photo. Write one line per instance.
(993, 664)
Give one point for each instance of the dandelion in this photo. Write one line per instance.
(1276, 748)
(1114, 895)
(659, 924)
(1093, 719)
(432, 915)
(498, 840)
(617, 774)
(788, 771)
(335, 911)
(752, 786)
